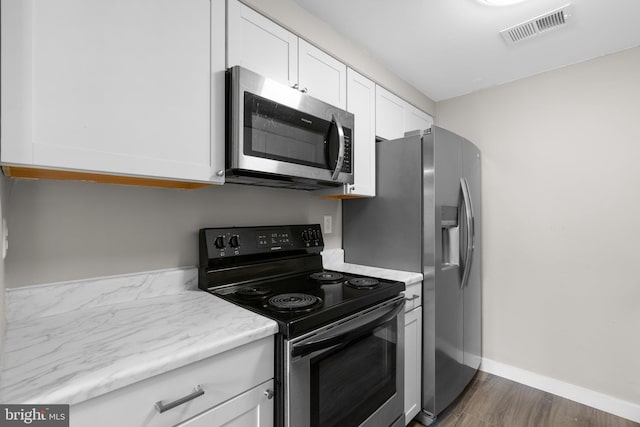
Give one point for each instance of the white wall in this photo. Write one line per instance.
(561, 172)
(70, 230)
(298, 20)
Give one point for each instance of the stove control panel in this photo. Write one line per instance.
(221, 243)
(274, 238)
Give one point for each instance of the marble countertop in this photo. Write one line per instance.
(69, 342)
(133, 328)
(334, 260)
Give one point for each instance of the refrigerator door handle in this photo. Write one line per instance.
(471, 235)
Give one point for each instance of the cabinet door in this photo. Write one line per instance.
(253, 408)
(361, 102)
(390, 111)
(412, 363)
(260, 45)
(416, 119)
(119, 86)
(361, 97)
(321, 75)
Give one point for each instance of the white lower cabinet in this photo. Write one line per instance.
(253, 408)
(412, 363)
(234, 388)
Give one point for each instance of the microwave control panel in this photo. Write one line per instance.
(346, 166)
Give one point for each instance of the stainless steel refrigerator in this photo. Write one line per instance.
(426, 218)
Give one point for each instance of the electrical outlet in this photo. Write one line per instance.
(327, 224)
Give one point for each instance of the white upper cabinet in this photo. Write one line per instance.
(122, 87)
(416, 119)
(361, 102)
(261, 45)
(264, 47)
(389, 114)
(395, 116)
(321, 75)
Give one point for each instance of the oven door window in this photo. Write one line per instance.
(275, 131)
(351, 382)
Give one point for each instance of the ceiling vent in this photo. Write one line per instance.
(549, 21)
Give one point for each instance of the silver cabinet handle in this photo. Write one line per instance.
(412, 298)
(269, 393)
(471, 235)
(340, 161)
(304, 90)
(295, 86)
(163, 407)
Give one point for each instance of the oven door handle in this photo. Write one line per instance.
(346, 337)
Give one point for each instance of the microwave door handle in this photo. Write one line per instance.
(340, 160)
(346, 337)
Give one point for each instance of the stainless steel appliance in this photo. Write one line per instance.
(340, 345)
(281, 137)
(426, 218)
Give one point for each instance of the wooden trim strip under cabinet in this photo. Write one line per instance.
(342, 197)
(37, 173)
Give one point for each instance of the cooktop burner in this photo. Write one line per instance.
(294, 301)
(327, 277)
(363, 283)
(253, 292)
(300, 302)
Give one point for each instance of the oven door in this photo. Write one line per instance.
(279, 130)
(350, 373)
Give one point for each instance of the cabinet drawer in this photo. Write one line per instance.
(253, 408)
(413, 296)
(221, 377)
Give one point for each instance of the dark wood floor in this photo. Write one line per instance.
(491, 401)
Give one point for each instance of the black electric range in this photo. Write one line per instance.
(356, 323)
(276, 271)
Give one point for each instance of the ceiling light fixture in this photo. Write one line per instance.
(500, 2)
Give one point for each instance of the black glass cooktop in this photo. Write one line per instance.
(303, 302)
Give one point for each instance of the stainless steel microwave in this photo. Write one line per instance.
(279, 136)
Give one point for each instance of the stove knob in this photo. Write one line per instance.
(234, 241)
(305, 235)
(314, 235)
(219, 242)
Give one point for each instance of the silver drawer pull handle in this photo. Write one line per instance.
(412, 298)
(163, 407)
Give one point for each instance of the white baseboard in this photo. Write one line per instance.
(621, 408)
